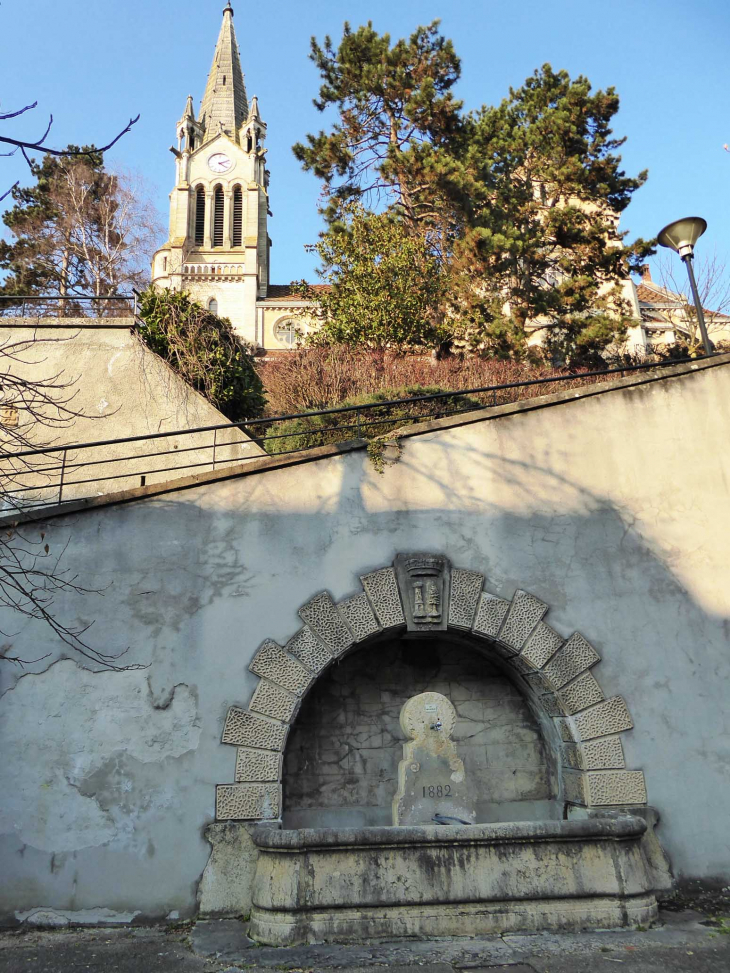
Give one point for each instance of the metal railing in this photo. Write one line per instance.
(69, 306)
(80, 471)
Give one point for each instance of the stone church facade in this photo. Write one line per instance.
(218, 245)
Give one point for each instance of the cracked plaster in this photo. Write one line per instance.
(88, 753)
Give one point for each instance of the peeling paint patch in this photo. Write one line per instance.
(82, 752)
(51, 918)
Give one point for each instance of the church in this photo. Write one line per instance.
(218, 246)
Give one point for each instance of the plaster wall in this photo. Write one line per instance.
(115, 387)
(611, 507)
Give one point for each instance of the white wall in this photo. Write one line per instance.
(612, 508)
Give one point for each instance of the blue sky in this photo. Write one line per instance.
(94, 64)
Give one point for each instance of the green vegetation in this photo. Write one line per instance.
(204, 350)
(511, 211)
(368, 422)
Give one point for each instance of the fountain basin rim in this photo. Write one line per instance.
(616, 828)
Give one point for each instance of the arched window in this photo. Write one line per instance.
(200, 216)
(164, 265)
(237, 217)
(213, 306)
(218, 207)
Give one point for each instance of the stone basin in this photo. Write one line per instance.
(341, 885)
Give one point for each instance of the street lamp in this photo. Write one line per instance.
(681, 237)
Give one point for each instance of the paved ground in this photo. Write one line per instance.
(682, 943)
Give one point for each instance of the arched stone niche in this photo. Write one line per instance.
(424, 596)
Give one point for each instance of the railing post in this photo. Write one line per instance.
(215, 443)
(359, 430)
(63, 471)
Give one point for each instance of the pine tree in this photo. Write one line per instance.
(518, 204)
(395, 106)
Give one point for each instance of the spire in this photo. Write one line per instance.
(189, 109)
(224, 102)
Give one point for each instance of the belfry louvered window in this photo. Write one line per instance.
(200, 216)
(237, 217)
(218, 210)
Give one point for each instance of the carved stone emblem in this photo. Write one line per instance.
(423, 580)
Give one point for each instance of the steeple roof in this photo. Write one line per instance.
(224, 102)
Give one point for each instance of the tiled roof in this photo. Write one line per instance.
(282, 293)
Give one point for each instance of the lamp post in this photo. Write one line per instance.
(681, 237)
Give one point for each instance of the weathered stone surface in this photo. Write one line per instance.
(257, 765)
(273, 701)
(556, 874)
(381, 588)
(273, 663)
(605, 787)
(359, 616)
(227, 883)
(611, 716)
(466, 589)
(541, 646)
(580, 694)
(342, 756)
(491, 613)
(424, 581)
(575, 657)
(323, 618)
(431, 777)
(306, 647)
(248, 802)
(244, 729)
(524, 613)
(605, 753)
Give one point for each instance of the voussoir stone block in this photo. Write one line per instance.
(323, 618)
(272, 662)
(257, 765)
(605, 753)
(568, 732)
(541, 646)
(605, 719)
(244, 729)
(580, 694)
(248, 802)
(575, 657)
(359, 616)
(305, 646)
(271, 700)
(466, 589)
(381, 587)
(607, 787)
(552, 705)
(524, 613)
(574, 787)
(491, 612)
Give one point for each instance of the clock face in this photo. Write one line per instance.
(219, 163)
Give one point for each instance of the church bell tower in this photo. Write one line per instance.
(218, 246)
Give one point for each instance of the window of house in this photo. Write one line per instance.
(287, 332)
(213, 306)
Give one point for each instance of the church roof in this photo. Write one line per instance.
(224, 102)
(282, 293)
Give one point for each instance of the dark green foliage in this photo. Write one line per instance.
(394, 103)
(204, 350)
(518, 204)
(367, 422)
(386, 288)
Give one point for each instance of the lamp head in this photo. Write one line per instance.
(682, 235)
